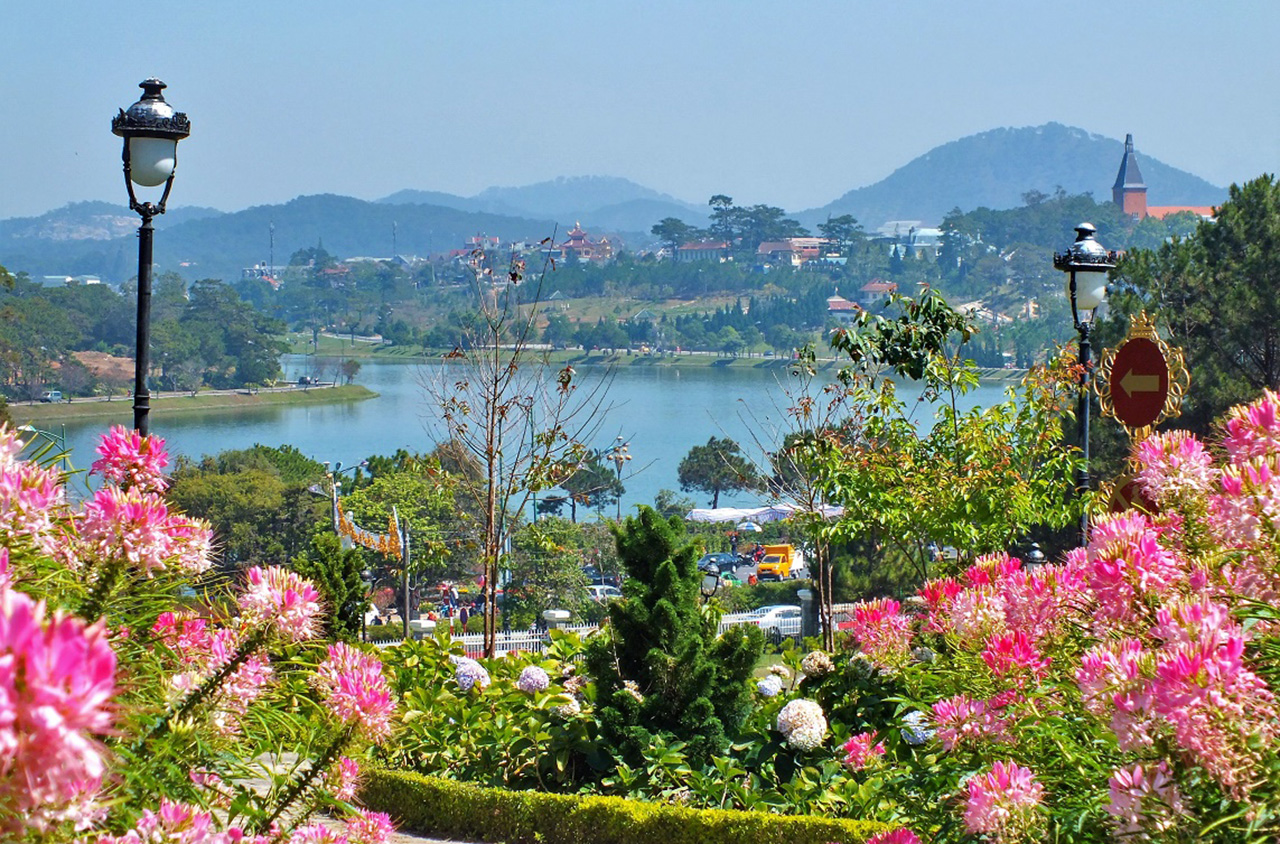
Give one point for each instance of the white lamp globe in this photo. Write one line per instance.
(1091, 290)
(151, 160)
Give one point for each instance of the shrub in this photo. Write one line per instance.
(442, 807)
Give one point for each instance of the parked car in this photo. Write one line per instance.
(778, 618)
(722, 559)
(596, 578)
(51, 395)
(604, 594)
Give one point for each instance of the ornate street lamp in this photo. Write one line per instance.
(710, 581)
(151, 130)
(620, 456)
(1086, 262)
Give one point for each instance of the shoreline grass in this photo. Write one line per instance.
(173, 404)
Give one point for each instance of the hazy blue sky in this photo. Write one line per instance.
(790, 103)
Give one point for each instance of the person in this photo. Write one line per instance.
(751, 579)
(453, 595)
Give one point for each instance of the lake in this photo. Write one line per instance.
(660, 411)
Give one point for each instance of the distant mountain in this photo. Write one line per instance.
(601, 203)
(994, 169)
(97, 238)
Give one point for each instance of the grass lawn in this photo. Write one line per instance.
(122, 408)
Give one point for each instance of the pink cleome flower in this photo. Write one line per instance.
(860, 750)
(343, 779)
(1129, 570)
(1253, 430)
(356, 691)
(991, 568)
(882, 631)
(131, 526)
(1003, 803)
(1014, 654)
(1174, 466)
(179, 823)
(282, 600)
(57, 676)
(369, 828)
(963, 720)
(1144, 799)
(901, 835)
(131, 460)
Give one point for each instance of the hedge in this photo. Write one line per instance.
(435, 806)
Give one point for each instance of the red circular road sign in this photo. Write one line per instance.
(1139, 382)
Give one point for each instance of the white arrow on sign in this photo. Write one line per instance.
(1134, 383)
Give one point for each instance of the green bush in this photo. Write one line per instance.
(444, 807)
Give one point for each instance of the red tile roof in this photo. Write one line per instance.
(1162, 211)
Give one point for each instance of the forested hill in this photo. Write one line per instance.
(995, 169)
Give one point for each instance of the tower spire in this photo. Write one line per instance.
(1129, 191)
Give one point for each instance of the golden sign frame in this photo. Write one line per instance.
(1143, 327)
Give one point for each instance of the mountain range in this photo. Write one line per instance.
(992, 169)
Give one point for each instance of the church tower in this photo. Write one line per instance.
(1129, 191)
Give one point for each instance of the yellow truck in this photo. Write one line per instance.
(776, 562)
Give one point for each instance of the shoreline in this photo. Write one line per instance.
(173, 403)
(366, 351)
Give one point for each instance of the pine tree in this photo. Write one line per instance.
(689, 685)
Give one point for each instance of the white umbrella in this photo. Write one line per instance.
(749, 526)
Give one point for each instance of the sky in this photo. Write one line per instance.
(785, 103)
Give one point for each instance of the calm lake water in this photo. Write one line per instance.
(661, 411)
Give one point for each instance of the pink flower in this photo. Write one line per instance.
(57, 677)
(130, 460)
(938, 594)
(369, 828)
(961, 719)
(1014, 654)
(1129, 570)
(129, 526)
(176, 823)
(901, 835)
(1253, 430)
(1174, 467)
(316, 833)
(1003, 803)
(343, 779)
(282, 600)
(975, 614)
(1144, 799)
(882, 631)
(1114, 683)
(991, 568)
(356, 691)
(860, 750)
(31, 496)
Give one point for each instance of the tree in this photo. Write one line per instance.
(659, 667)
(350, 367)
(519, 422)
(593, 484)
(545, 570)
(338, 574)
(1219, 292)
(844, 232)
(719, 466)
(674, 232)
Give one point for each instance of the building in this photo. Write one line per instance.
(793, 250)
(874, 292)
(841, 309)
(1130, 192)
(580, 247)
(703, 250)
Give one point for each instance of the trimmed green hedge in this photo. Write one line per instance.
(443, 807)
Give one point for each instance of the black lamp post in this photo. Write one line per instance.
(1086, 262)
(151, 130)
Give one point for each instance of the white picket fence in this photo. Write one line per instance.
(531, 641)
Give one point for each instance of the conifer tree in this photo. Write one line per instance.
(689, 684)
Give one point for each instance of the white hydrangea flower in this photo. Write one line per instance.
(769, 686)
(533, 679)
(633, 689)
(468, 673)
(803, 724)
(568, 710)
(781, 672)
(816, 664)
